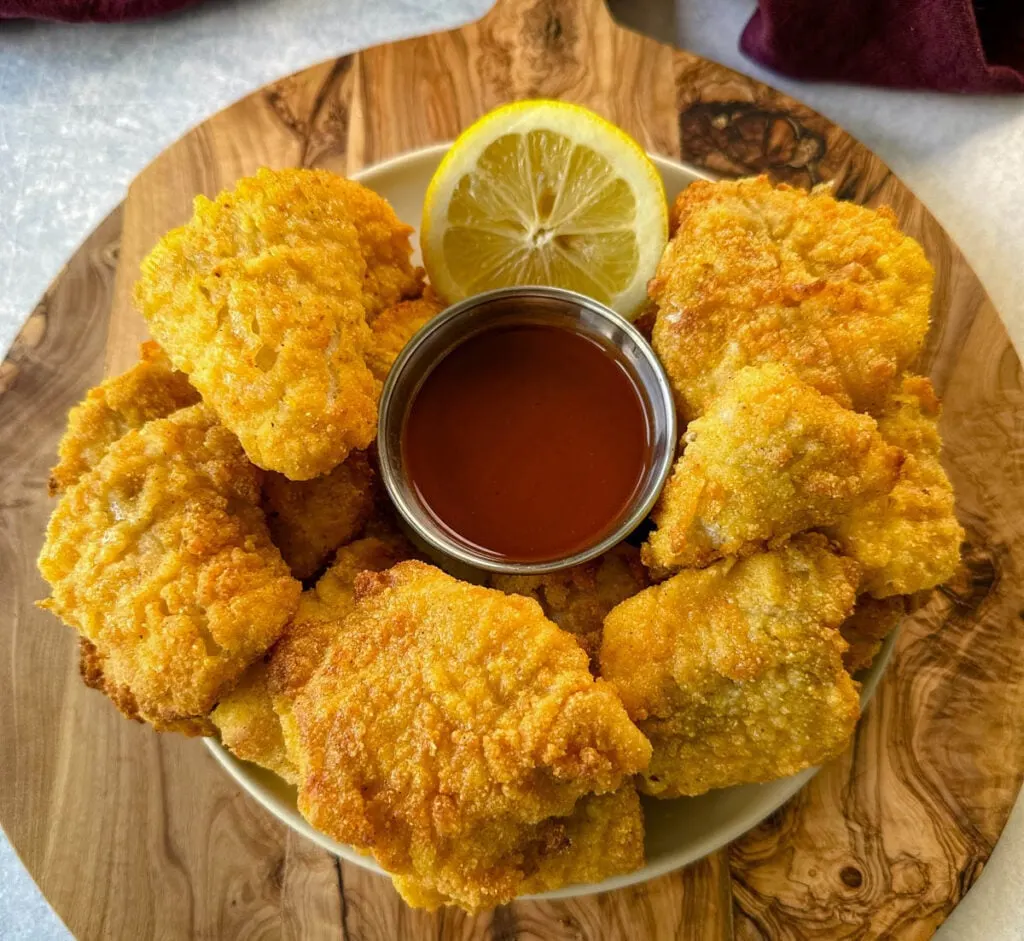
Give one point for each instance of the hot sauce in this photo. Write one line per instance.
(527, 442)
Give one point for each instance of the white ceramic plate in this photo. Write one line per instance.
(679, 831)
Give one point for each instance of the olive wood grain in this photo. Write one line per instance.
(135, 835)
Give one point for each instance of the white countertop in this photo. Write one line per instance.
(83, 109)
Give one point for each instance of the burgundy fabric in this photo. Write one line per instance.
(947, 45)
(88, 11)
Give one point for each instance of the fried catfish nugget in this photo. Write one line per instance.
(735, 672)
(395, 327)
(160, 557)
(756, 273)
(249, 726)
(152, 388)
(309, 519)
(770, 458)
(604, 836)
(444, 711)
(907, 540)
(864, 630)
(263, 299)
(252, 719)
(578, 599)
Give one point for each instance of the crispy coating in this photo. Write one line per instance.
(756, 273)
(864, 630)
(152, 388)
(443, 711)
(90, 666)
(604, 836)
(909, 539)
(735, 672)
(309, 519)
(301, 648)
(254, 718)
(263, 299)
(578, 599)
(160, 557)
(771, 457)
(248, 724)
(395, 327)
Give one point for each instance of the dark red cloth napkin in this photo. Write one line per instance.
(87, 11)
(947, 45)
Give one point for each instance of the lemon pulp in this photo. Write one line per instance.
(536, 205)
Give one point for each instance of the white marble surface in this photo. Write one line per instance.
(83, 109)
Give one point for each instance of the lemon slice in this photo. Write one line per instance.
(544, 192)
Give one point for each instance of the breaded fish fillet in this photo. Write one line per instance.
(302, 647)
(444, 711)
(395, 327)
(909, 539)
(309, 519)
(771, 457)
(152, 388)
(604, 836)
(263, 299)
(578, 599)
(161, 558)
(251, 717)
(735, 672)
(249, 726)
(864, 630)
(756, 273)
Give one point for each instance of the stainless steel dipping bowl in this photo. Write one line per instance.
(512, 306)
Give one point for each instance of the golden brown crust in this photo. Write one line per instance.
(395, 327)
(907, 540)
(302, 646)
(758, 273)
(735, 672)
(771, 457)
(152, 388)
(603, 837)
(309, 519)
(249, 726)
(578, 599)
(160, 557)
(263, 300)
(865, 629)
(444, 710)
(90, 666)
(254, 719)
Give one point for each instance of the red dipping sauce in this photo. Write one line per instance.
(528, 442)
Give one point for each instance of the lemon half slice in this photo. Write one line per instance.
(544, 192)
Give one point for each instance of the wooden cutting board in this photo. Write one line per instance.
(132, 835)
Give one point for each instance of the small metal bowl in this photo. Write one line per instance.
(519, 305)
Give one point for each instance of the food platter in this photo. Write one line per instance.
(890, 836)
(679, 832)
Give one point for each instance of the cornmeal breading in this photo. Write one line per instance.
(757, 273)
(309, 519)
(735, 672)
(864, 630)
(909, 539)
(395, 327)
(90, 666)
(263, 299)
(444, 711)
(254, 718)
(160, 557)
(577, 599)
(604, 836)
(152, 388)
(771, 457)
(249, 726)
